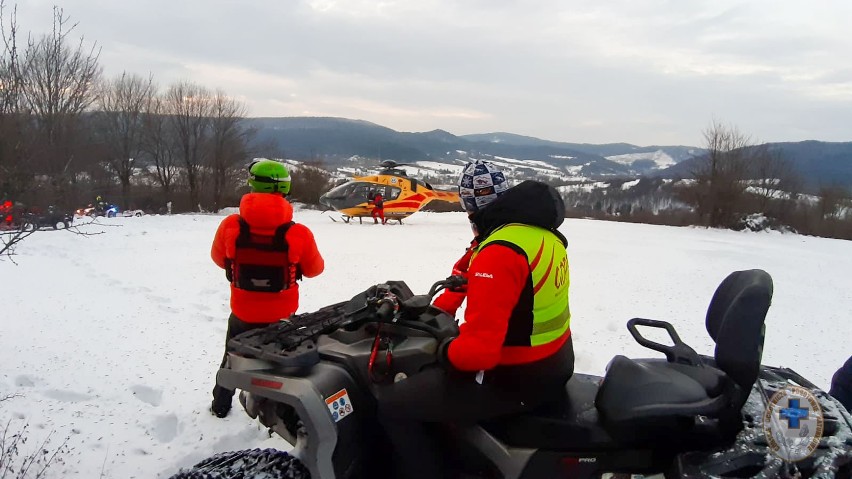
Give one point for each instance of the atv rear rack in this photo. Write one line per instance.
(290, 343)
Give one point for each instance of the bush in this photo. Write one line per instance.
(17, 464)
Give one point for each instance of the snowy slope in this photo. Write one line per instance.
(113, 340)
(660, 158)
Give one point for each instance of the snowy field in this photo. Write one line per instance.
(113, 340)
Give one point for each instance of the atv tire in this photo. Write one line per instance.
(247, 464)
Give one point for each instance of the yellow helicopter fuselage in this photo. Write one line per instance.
(401, 194)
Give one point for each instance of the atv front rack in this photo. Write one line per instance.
(290, 343)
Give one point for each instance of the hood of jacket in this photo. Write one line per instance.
(265, 211)
(531, 203)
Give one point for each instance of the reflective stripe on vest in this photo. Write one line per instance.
(548, 262)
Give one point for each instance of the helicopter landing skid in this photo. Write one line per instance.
(347, 219)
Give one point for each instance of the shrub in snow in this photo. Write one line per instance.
(18, 462)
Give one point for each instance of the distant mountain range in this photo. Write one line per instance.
(336, 140)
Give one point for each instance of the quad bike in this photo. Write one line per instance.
(108, 210)
(52, 218)
(312, 381)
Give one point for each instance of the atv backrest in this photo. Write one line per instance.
(735, 320)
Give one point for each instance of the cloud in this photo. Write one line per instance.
(649, 71)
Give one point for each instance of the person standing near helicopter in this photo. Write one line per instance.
(264, 253)
(378, 207)
(514, 350)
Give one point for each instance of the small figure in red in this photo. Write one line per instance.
(6, 212)
(378, 208)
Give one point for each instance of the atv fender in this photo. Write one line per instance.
(317, 449)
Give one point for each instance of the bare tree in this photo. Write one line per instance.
(10, 238)
(123, 103)
(775, 177)
(310, 182)
(721, 174)
(15, 170)
(831, 199)
(159, 145)
(58, 86)
(188, 113)
(229, 145)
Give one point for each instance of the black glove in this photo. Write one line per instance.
(443, 353)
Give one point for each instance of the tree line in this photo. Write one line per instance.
(734, 181)
(68, 133)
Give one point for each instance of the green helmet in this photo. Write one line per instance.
(268, 176)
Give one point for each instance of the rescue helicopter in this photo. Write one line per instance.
(402, 194)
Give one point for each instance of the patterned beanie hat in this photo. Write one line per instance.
(480, 184)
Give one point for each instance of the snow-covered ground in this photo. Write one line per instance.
(113, 340)
(660, 158)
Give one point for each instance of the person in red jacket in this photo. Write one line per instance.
(514, 351)
(6, 212)
(378, 208)
(263, 279)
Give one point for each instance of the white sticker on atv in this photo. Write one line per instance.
(339, 405)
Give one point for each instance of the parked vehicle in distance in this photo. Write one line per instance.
(131, 213)
(51, 218)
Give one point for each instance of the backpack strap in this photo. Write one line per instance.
(244, 238)
(279, 238)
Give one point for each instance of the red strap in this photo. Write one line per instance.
(374, 354)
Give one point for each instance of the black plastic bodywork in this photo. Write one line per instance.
(300, 363)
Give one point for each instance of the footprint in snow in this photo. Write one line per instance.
(66, 396)
(159, 299)
(167, 309)
(24, 381)
(148, 395)
(165, 428)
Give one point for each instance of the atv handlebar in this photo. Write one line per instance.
(452, 283)
(386, 310)
(387, 307)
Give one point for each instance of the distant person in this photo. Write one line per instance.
(100, 204)
(378, 208)
(841, 384)
(6, 212)
(264, 253)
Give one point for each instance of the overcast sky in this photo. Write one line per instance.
(592, 71)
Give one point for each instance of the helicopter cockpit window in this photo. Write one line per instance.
(391, 192)
(342, 191)
(387, 192)
(361, 190)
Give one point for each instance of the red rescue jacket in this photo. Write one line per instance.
(264, 213)
(496, 277)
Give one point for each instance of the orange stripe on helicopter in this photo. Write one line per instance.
(403, 204)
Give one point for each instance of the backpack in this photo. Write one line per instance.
(260, 262)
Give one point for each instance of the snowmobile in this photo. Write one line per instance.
(312, 381)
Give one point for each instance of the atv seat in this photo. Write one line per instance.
(690, 398)
(569, 423)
